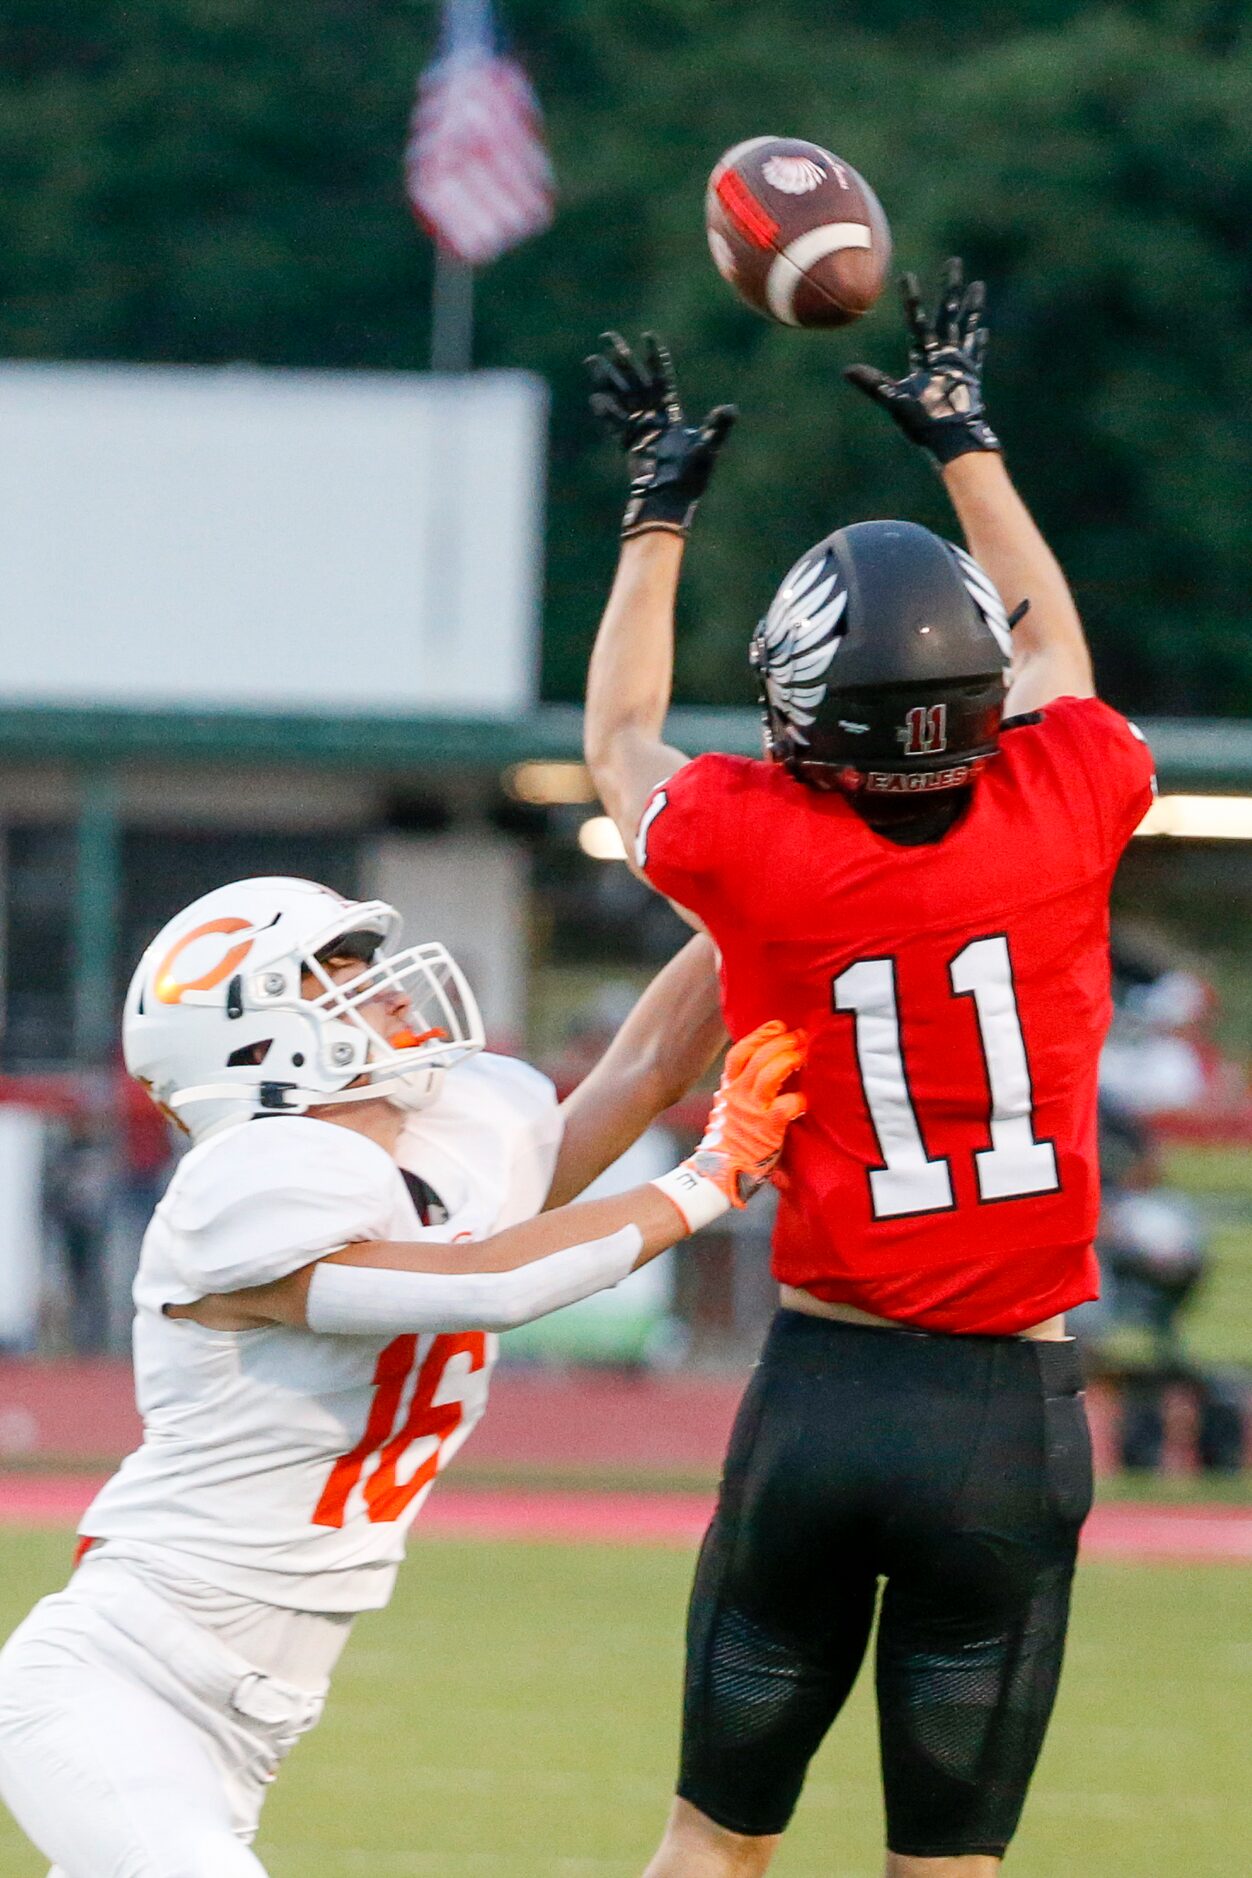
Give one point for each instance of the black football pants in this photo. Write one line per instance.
(956, 1470)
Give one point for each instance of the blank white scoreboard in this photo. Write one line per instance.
(271, 540)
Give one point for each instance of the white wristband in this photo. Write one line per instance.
(700, 1201)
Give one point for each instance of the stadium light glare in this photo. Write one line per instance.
(1200, 818)
(549, 785)
(599, 838)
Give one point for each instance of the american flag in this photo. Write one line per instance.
(476, 167)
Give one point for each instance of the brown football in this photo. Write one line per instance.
(797, 232)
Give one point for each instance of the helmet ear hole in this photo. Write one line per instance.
(249, 1055)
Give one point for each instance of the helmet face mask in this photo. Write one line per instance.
(219, 1029)
(882, 664)
(442, 1017)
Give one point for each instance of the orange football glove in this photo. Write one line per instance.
(746, 1128)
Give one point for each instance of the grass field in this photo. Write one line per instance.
(514, 1714)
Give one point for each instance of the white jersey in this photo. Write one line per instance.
(281, 1464)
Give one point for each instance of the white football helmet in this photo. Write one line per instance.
(216, 1026)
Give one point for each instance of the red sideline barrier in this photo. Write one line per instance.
(72, 1411)
(1176, 1534)
(84, 1412)
(575, 1421)
(1210, 1128)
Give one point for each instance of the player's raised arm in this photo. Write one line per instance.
(390, 1288)
(632, 666)
(667, 1043)
(938, 405)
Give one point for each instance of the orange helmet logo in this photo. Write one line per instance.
(170, 989)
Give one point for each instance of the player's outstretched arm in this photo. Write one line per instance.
(938, 405)
(668, 1042)
(390, 1288)
(632, 665)
(630, 679)
(1050, 655)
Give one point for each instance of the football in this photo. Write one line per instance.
(797, 232)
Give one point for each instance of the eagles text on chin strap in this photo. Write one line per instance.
(671, 461)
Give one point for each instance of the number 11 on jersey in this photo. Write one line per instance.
(909, 1181)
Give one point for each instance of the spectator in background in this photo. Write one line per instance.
(1152, 1241)
(81, 1186)
(1154, 1247)
(1160, 1068)
(1153, 1250)
(148, 1151)
(1160, 1057)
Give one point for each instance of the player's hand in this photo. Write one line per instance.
(751, 1115)
(636, 399)
(938, 403)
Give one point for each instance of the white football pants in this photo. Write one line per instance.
(134, 1742)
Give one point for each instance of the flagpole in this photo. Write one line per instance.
(451, 313)
(451, 354)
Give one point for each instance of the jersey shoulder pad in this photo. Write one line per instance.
(719, 776)
(693, 825)
(1089, 720)
(701, 785)
(516, 1086)
(251, 1205)
(271, 1156)
(488, 1146)
(1084, 745)
(1112, 749)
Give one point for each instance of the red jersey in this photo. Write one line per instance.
(956, 994)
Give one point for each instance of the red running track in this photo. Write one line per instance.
(82, 1415)
(1185, 1534)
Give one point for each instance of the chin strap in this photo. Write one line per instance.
(227, 1092)
(272, 1098)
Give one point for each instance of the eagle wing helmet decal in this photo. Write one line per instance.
(918, 627)
(797, 640)
(985, 597)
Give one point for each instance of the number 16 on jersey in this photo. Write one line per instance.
(909, 1181)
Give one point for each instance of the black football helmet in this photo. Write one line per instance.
(883, 662)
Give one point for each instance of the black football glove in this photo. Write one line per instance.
(939, 403)
(670, 460)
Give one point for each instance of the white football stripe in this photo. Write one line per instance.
(791, 262)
